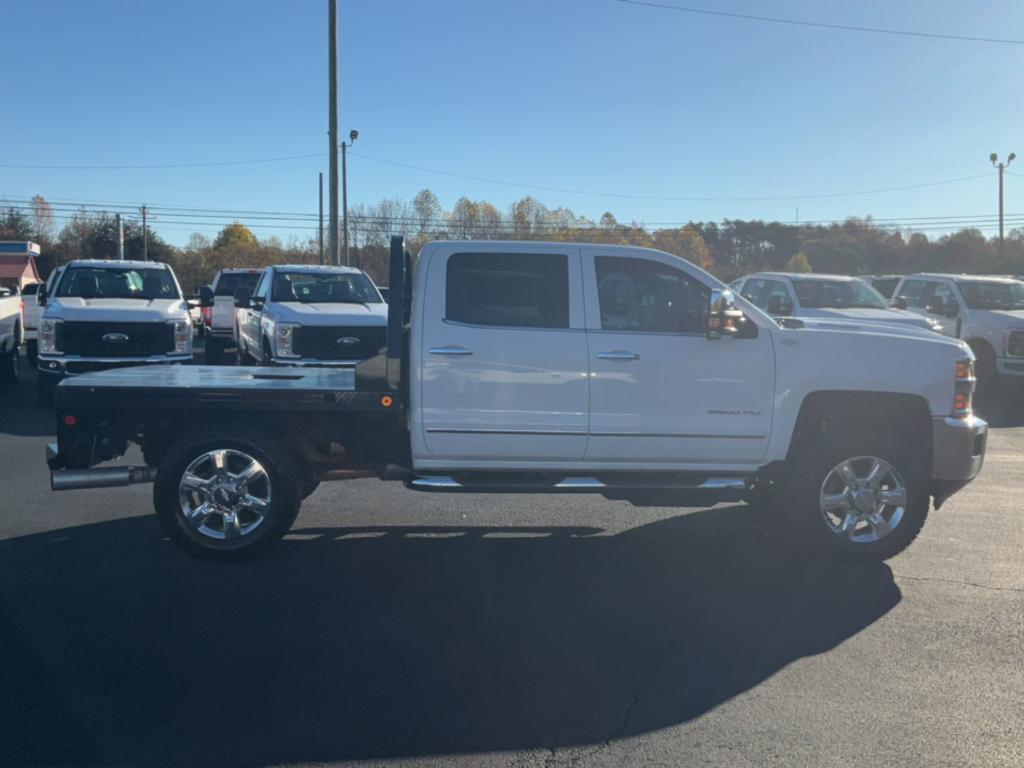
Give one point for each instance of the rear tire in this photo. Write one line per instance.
(985, 368)
(210, 510)
(32, 351)
(829, 515)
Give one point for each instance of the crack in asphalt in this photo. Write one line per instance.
(961, 582)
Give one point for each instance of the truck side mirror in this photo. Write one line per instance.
(205, 296)
(243, 297)
(723, 317)
(935, 306)
(900, 302)
(41, 295)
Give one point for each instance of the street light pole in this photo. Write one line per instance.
(1002, 168)
(332, 126)
(352, 136)
(320, 231)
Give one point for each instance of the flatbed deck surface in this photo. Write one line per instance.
(161, 387)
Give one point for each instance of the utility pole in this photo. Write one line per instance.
(332, 125)
(1002, 167)
(320, 231)
(352, 136)
(145, 236)
(120, 238)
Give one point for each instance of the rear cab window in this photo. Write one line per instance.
(228, 283)
(511, 290)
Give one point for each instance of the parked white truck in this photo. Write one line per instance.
(106, 314)
(34, 314)
(986, 312)
(12, 330)
(554, 368)
(218, 311)
(823, 297)
(310, 315)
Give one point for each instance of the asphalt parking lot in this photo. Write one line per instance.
(470, 630)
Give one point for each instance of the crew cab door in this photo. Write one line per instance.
(661, 392)
(503, 355)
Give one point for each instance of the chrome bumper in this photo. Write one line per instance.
(958, 448)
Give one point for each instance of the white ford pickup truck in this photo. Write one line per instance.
(552, 368)
(310, 315)
(986, 312)
(218, 310)
(106, 314)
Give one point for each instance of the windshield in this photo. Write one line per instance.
(837, 294)
(325, 288)
(118, 283)
(985, 295)
(230, 282)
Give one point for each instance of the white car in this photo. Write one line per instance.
(310, 315)
(827, 297)
(11, 333)
(108, 314)
(986, 312)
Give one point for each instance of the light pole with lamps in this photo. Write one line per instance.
(1002, 167)
(352, 136)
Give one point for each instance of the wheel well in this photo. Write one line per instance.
(979, 342)
(843, 412)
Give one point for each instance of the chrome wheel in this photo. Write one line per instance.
(224, 494)
(863, 499)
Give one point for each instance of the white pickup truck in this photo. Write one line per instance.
(34, 314)
(822, 296)
(12, 330)
(218, 310)
(310, 315)
(986, 312)
(107, 314)
(552, 368)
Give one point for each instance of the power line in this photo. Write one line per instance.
(156, 166)
(628, 196)
(823, 25)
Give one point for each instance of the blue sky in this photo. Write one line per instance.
(590, 95)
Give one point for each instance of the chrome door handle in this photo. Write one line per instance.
(618, 354)
(450, 349)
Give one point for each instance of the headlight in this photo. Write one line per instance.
(1015, 343)
(284, 339)
(49, 331)
(182, 336)
(964, 390)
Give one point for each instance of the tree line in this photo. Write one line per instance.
(727, 249)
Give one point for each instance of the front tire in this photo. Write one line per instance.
(10, 367)
(226, 494)
(862, 496)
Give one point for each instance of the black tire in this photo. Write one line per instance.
(213, 353)
(10, 367)
(31, 352)
(985, 368)
(285, 497)
(802, 487)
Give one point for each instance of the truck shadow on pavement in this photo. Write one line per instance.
(348, 643)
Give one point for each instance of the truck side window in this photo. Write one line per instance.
(262, 285)
(642, 295)
(913, 291)
(777, 299)
(752, 291)
(514, 290)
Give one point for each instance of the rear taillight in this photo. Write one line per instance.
(208, 317)
(964, 391)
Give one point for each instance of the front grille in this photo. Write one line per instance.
(333, 343)
(142, 339)
(1015, 344)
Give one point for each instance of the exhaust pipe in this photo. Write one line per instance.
(105, 477)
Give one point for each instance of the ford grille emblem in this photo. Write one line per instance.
(349, 341)
(115, 338)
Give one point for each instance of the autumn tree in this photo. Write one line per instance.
(798, 262)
